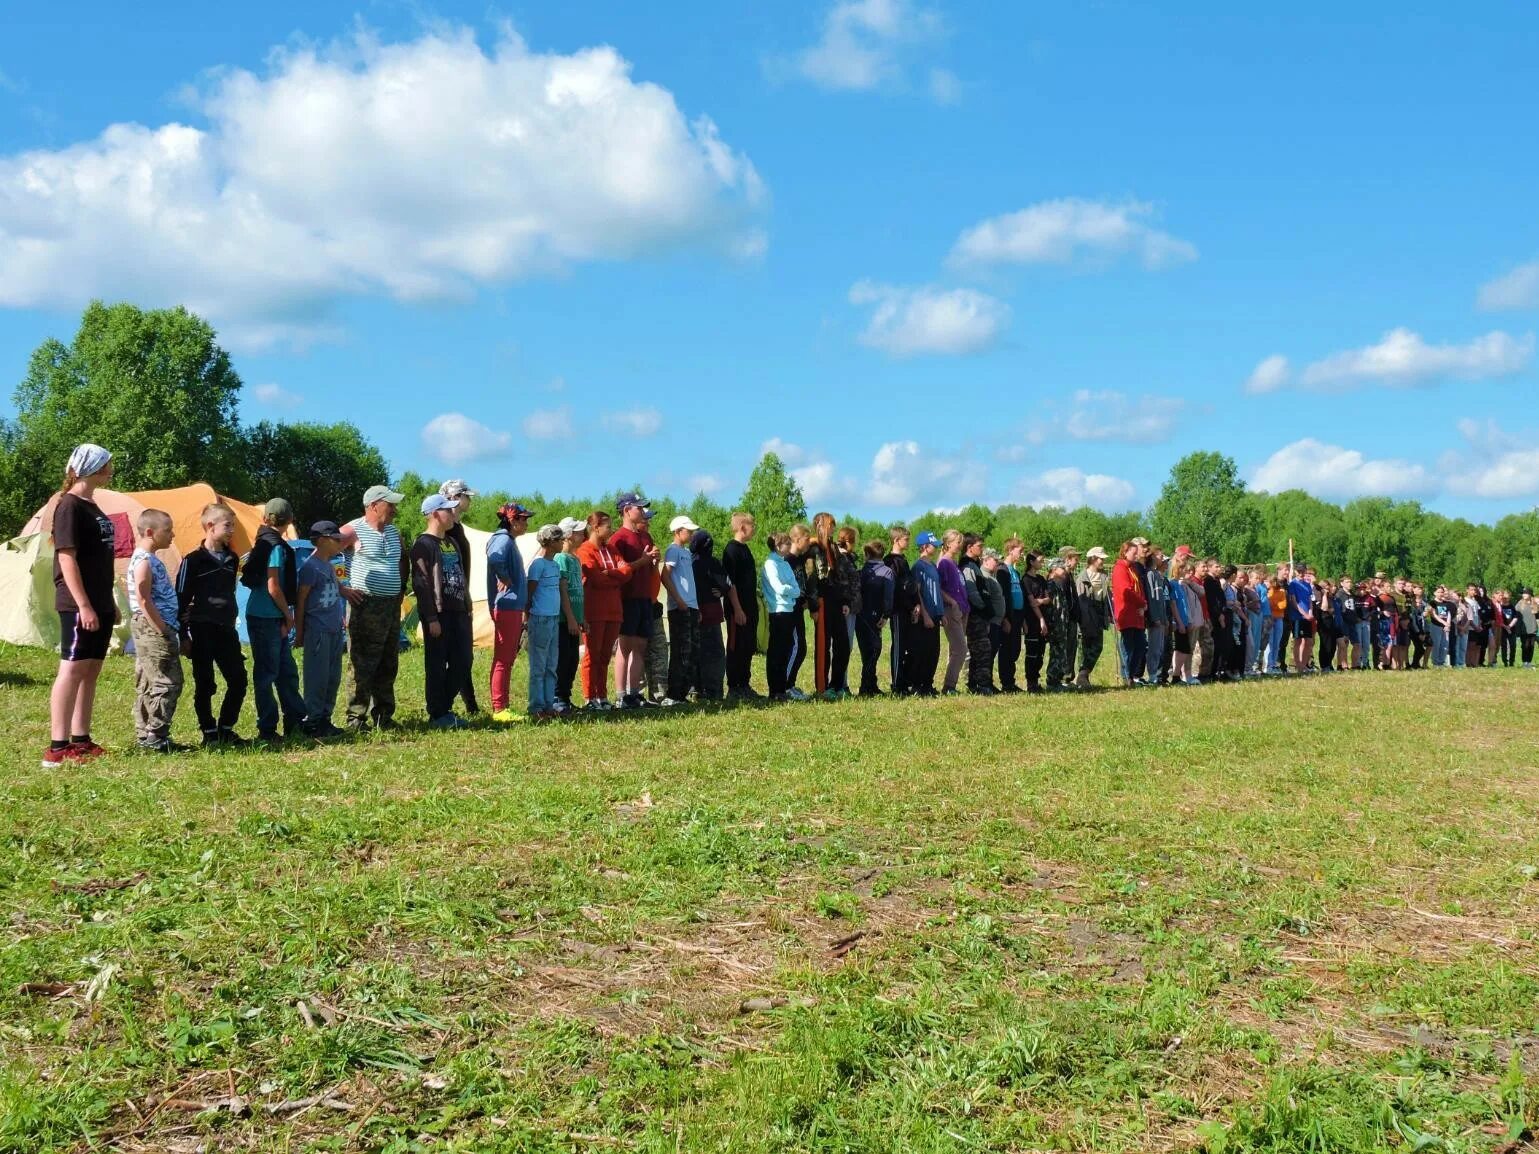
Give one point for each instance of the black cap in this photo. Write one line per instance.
(325, 529)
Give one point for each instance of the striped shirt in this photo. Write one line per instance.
(376, 567)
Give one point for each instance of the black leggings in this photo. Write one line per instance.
(923, 657)
(1509, 648)
(567, 647)
(836, 637)
(1036, 645)
(782, 657)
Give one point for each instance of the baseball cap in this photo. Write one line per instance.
(1139, 541)
(926, 538)
(325, 529)
(1183, 551)
(513, 510)
(1096, 551)
(382, 493)
(571, 525)
(456, 489)
(682, 521)
(628, 500)
(435, 502)
(548, 533)
(992, 554)
(1068, 551)
(278, 509)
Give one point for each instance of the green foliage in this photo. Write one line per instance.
(152, 386)
(773, 496)
(1203, 505)
(322, 469)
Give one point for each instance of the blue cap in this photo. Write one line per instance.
(434, 502)
(627, 500)
(926, 538)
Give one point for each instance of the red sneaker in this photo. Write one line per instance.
(86, 750)
(54, 758)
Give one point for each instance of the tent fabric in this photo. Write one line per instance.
(26, 562)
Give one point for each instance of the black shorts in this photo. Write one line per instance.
(636, 615)
(77, 644)
(1181, 641)
(1304, 629)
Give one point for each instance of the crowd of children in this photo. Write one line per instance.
(680, 622)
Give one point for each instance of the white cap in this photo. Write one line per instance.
(571, 525)
(682, 522)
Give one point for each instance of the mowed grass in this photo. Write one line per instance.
(1280, 916)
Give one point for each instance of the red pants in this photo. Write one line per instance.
(602, 636)
(507, 631)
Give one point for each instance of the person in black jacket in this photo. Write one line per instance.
(272, 576)
(462, 494)
(980, 657)
(905, 603)
(205, 594)
(1220, 619)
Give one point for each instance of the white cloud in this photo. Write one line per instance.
(708, 483)
(901, 474)
(909, 322)
(1496, 463)
(556, 385)
(421, 169)
(548, 424)
(1071, 230)
(945, 88)
(633, 422)
(1518, 289)
(864, 41)
(1402, 359)
(1335, 473)
(1070, 488)
(1269, 376)
(454, 439)
(276, 396)
(1108, 415)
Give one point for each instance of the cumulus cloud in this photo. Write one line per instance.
(708, 483)
(864, 43)
(1495, 463)
(1402, 359)
(633, 422)
(945, 88)
(454, 439)
(1070, 231)
(1518, 289)
(548, 424)
(413, 170)
(1071, 488)
(927, 319)
(901, 474)
(1332, 472)
(1109, 415)
(1269, 376)
(276, 396)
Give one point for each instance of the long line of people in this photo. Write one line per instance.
(679, 621)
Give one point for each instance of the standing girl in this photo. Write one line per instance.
(83, 555)
(604, 576)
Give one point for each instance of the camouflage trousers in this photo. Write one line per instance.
(374, 644)
(1090, 642)
(1063, 637)
(657, 657)
(980, 654)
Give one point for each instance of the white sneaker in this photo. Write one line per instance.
(670, 702)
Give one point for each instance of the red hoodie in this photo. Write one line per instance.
(603, 577)
(1128, 599)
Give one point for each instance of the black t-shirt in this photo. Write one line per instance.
(903, 597)
(80, 525)
(743, 572)
(1349, 614)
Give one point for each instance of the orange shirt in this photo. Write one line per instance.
(1278, 600)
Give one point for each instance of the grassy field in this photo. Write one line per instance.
(1282, 916)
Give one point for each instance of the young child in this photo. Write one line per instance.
(83, 582)
(443, 606)
(549, 606)
(743, 623)
(272, 574)
(319, 633)
(876, 606)
(678, 574)
(157, 652)
(205, 594)
(569, 637)
(782, 600)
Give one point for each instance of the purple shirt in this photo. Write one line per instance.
(952, 584)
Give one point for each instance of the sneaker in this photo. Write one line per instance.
(449, 721)
(269, 737)
(507, 717)
(629, 701)
(211, 739)
(387, 723)
(670, 702)
(54, 758)
(230, 737)
(794, 694)
(86, 750)
(650, 703)
(1192, 681)
(562, 707)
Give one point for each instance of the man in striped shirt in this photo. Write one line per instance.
(376, 580)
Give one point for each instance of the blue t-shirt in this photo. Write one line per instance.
(681, 567)
(324, 607)
(545, 574)
(261, 603)
(927, 585)
(1017, 595)
(1300, 592)
(162, 592)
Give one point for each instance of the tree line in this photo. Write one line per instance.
(156, 388)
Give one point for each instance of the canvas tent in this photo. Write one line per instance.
(26, 562)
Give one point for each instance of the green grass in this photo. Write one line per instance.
(1290, 916)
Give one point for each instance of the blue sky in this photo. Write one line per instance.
(934, 252)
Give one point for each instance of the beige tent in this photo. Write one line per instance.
(481, 617)
(26, 562)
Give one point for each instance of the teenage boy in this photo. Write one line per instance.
(319, 633)
(1063, 621)
(678, 576)
(443, 607)
(876, 606)
(923, 633)
(980, 678)
(157, 654)
(272, 575)
(1157, 614)
(1092, 591)
(1301, 600)
(718, 603)
(638, 597)
(1007, 573)
(205, 595)
(904, 602)
(743, 623)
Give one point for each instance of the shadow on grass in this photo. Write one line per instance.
(12, 678)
